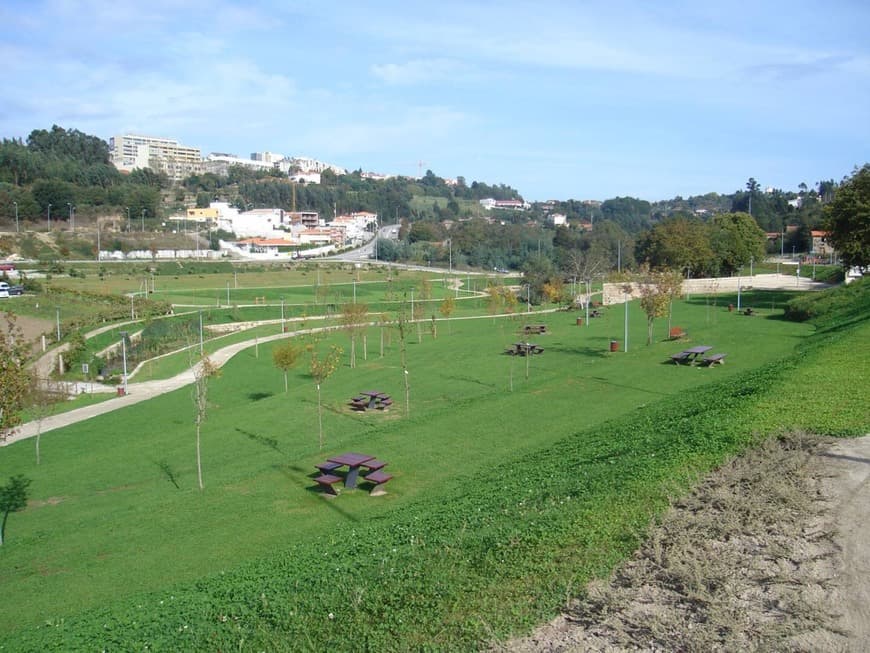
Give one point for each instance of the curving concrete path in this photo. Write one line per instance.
(136, 392)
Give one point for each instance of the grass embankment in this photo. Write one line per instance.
(504, 503)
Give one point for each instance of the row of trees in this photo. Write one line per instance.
(63, 172)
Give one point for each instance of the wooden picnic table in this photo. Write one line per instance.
(689, 355)
(526, 348)
(353, 461)
(371, 399)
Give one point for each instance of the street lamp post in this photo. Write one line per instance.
(16, 217)
(57, 321)
(282, 314)
(49, 217)
(98, 239)
(143, 219)
(123, 335)
(71, 223)
(128, 217)
(200, 334)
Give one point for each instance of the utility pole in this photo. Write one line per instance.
(17, 229)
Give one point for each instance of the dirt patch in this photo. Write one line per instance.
(50, 501)
(31, 327)
(771, 553)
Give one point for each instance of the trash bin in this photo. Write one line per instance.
(579, 321)
(730, 308)
(121, 391)
(614, 345)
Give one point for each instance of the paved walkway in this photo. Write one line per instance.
(136, 392)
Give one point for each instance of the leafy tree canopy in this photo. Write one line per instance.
(848, 219)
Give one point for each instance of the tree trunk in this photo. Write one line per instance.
(319, 418)
(198, 457)
(285, 382)
(649, 331)
(352, 352)
(365, 347)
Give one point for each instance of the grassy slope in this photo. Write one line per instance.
(462, 413)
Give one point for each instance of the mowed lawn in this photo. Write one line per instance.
(106, 519)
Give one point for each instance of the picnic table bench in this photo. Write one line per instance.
(710, 361)
(534, 328)
(327, 467)
(677, 333)
(326, 481)
(378, 478)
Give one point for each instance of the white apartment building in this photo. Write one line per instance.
(266, 157)
(219, 164)
(307, 164)
(131, 151)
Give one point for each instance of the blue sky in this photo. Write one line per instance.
(579, 99)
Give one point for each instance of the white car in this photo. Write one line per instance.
(4, 289)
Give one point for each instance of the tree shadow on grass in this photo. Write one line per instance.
(270, 443)
(602, 351)
(604, 381)
(258, 396)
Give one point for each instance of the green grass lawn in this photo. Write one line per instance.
(106, 520)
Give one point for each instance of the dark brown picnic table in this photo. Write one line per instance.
(353, 461)
(525, 348)
(371, 399)
(690, 355)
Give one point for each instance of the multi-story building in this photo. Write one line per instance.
(219, 163)
(131, 151)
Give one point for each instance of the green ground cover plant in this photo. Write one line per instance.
(462, 550)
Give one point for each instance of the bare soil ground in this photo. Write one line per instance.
(31, 327)
(770, 553)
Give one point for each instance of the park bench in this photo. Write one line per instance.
(384, 404)
(378, 477)
(676, 333)
(682, 357)
(710, 361)
(327, 467)
(534, 328)
(374, 465)
(359, 404)
(326, 481)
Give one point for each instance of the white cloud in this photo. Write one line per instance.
(420, 71)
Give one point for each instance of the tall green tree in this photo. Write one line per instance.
(736, 240)
(848, 219)
(678, 243)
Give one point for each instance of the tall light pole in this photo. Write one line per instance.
(128, 217)
(16, 217)
(49, 216)
(282, 314)
(72, 224)
(450, 255)
(57, 321)
(200, 334)
(98, 239)
(123, 335)
(143, 219)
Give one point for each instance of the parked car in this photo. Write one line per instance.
(6, 290)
